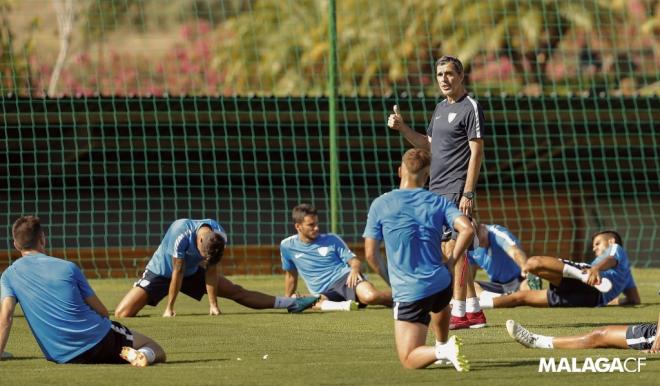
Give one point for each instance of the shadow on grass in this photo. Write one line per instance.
(486, 365)
(14, 358)
(196, 361)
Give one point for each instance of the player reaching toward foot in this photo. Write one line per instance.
(578, 284)
(68, 320)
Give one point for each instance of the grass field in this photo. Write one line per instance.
(355, 348)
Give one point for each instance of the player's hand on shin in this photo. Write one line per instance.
(395, 121)
(594, 276)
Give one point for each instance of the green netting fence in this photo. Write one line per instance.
(120, 116)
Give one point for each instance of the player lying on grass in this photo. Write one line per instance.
(634, 336)
(499, 254)
(327, 265)
(187, 261)
(68, 320)
(410, 220)
(578, 284)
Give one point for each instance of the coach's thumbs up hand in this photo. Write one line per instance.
(395, 121)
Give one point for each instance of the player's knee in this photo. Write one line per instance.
(235, 292)
(369, 297)
(122, 312)
(596, 338)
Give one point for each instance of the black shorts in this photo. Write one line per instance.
(641, 336)
(449, 233)
(418, 311)
(158, 287)
(501, 288)
(339, 291)
(573, 293)
(108, 349)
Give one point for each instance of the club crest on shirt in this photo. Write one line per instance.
(451, 117)
(323, 251)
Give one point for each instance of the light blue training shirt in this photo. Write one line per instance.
(51, 292)
(620, 275)
(495, 260)
(410, 221)
(180, 241)
(321, 263)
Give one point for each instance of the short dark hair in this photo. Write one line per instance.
(450, 59)
(213, 246)
(610, 233)
(301, 211)
(416, 159)
(26, 232)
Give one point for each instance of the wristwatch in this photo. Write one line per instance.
(468, 195)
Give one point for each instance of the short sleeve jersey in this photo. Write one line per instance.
(410, 221)
(620, 275)
(495, 259)
(452, 127)
(180, 242)
(321, 263)
(52, 294)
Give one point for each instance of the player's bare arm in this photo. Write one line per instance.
(97, 305)
(6, 320)
(395, 121)
(466, 205)
(211, 280)
(519, 256)
(175, 286)
(290, 283)
(374, 259)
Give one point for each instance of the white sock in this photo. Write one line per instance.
(283, 302)
(149, 353)
(571, 272)
(458, 309)
(328, 305)
(486, 301)
(440, 350)
(543, 341)
(472, 305)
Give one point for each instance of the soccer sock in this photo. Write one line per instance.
(328, 305)
(149, 353)
(542, 341)
(283, 302)
(472, 305)
(486, 301)
(458, 308)
(571, 272)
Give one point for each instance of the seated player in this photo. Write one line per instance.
(634, 336)
(68, 320)
(500, 255)
(578, 284)
(187, 261)
(410, 220)
(327, 265)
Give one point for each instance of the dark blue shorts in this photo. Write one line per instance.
(449, 233)
(641, 336)
(158, 287)
(339, 291)
(418, 311)
(108, 349)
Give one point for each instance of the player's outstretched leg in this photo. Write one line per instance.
(145, 351)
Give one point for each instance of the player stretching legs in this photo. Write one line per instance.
(636, 336)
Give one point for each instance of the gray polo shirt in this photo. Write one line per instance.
(451, 128)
